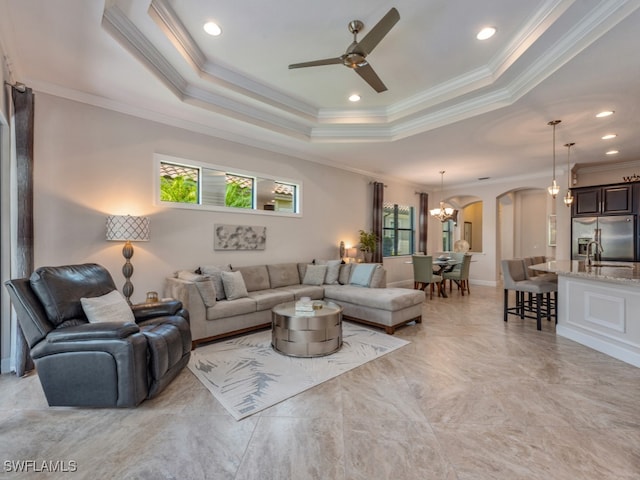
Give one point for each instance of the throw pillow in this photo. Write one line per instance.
(378, 279)
(112, 307)
(215, 272)
(333, 271)
(204, 284)
(345, 273)
(362, 273)
(315, 275)
(234, 286)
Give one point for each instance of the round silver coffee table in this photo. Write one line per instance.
(306, 334)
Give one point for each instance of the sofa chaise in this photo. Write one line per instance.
(223, 301)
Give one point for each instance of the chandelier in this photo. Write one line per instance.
(568, 198)
(554, 188)
(442, 213)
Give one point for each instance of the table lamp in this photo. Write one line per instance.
(128, 229)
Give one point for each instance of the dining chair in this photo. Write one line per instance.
(423, 274)
(459, 274)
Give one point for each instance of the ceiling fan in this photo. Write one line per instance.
(356, 55)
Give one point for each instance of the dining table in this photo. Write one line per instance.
(441, 265)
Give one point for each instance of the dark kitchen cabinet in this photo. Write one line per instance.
(605, 200)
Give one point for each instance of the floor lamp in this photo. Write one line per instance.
(126, 228)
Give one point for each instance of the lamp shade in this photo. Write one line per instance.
(127, 228)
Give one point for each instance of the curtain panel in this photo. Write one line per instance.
(378, 207)
(423, 222)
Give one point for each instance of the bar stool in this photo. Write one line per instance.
(515, 278)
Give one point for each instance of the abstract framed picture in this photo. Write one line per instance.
(239, 237)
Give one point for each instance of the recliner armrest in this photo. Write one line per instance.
(145, 311)
(93, 331)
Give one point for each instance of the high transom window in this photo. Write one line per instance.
(194, 185)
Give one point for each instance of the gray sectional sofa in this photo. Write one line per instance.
(222, 302)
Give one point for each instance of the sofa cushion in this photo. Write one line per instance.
(315, 275)
(283, 274)
(314, 292)
(204, 284)
(379, 277)
(255, 277)
(267, 299)
(215, 272)
(230, 308)
(111, 307)
(390, 299)
(234, 286)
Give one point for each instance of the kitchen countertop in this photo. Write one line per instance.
(627, 273)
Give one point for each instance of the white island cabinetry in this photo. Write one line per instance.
(599, 306)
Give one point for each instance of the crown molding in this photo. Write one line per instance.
(479, 91)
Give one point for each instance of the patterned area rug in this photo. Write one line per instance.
(246, 375)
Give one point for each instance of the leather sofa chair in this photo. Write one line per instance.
(106, 364)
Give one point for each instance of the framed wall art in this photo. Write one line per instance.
(239, 237)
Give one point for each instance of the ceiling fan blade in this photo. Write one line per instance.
(369, 76)
(317, 63)
(378, 32)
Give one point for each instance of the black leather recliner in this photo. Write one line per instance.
(97, 364)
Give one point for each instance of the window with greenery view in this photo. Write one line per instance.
(182, 184)
(397, 230)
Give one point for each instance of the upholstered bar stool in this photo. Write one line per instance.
(515, 278)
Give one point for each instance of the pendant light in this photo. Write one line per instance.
(568, 198)
(443, 214)
(554, 188)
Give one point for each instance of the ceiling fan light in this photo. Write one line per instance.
(609, 136)
(605, 113)
(354, 98)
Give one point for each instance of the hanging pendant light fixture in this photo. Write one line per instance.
(554, 188)
(443, 213)
(568, 198)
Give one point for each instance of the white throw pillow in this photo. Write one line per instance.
(234, 286)
(112, 307)
(315, 275)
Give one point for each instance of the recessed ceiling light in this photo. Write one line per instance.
(354, 98)
(606, 113)
(609, 136)
(212, 29)
(486, 33)
(612, 152)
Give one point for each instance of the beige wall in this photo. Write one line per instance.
(92, 162)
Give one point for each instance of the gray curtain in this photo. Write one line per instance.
(376, 225)
(423, 222)
(22, 266)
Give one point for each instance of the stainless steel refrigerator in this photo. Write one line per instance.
(616, 234)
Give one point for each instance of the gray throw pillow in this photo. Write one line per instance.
(345, 273)
(315, 275)
(215, 272)
(204, 284)
(333, 272)
(234, 286)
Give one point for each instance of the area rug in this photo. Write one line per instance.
(246, 375)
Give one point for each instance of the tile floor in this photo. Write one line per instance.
(470, 398)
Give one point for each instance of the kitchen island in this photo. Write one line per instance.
(599, 305)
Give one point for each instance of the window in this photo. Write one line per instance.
(213, 188)
(447, 235)
(397, 230)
